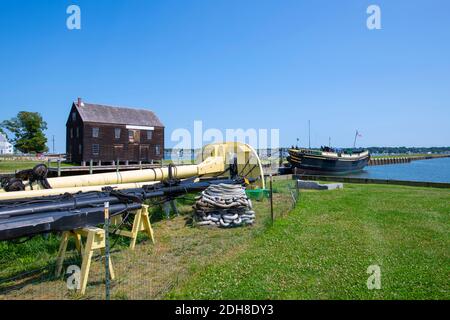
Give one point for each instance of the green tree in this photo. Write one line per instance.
(28, 130)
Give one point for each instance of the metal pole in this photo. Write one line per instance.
(106, 227)
(59, 167)
(271, 198)
(354, 142)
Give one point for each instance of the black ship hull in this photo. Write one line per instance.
(319, 163)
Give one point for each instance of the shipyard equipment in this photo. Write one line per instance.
(43, 205)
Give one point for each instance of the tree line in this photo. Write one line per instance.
(406, 150)
(26, 132)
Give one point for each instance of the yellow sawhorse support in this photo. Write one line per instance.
(141, 223)
(95, 240)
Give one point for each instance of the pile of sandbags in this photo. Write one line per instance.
(224, 205)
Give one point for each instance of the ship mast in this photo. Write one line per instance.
(354, 142)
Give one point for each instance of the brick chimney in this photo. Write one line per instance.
(79, 102)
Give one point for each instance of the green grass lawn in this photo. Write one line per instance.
(12, 166)
(9, 166)
(149, 272)
(323, 248)
(319, 250)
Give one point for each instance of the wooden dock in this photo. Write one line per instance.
(385, 161)
(395, 160)
(369, 181)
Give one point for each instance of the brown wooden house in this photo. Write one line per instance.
(106, 134)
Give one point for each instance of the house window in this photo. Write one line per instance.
(78, 132)
(149, 135)
(133, 135)
(95, 132)
(71, 133)
(117, 133)
(74, 116)
(79, 149)
(157, 150)
(95, 149)
(130, 135)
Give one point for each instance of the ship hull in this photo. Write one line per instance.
(314, 164)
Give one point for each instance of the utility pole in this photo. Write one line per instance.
(53, 141)
(329, 142)
(309, 134)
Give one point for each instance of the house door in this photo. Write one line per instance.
(118, 153)
(143, 153)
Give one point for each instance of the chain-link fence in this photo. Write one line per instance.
(151, 271)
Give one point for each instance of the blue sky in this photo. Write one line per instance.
(237, 64)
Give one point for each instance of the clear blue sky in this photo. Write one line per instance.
(237, 64)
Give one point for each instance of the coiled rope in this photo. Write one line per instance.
(224, 205)
(37, 174)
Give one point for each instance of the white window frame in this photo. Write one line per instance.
(117, 133)
(95, 146)
(95, 132)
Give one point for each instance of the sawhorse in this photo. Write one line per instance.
(141, 223)
(95, 240)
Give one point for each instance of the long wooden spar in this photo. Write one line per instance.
(117, 180)
(214, 159)
(211, 165)
(17, 195)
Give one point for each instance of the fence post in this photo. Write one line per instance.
(280, 152)
(107, 282)
(271, 197)
(59, 167)
(91, 169)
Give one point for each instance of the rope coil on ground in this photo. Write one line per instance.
(37, 174)
(225, 206)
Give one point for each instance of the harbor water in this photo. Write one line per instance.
(432, 170)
